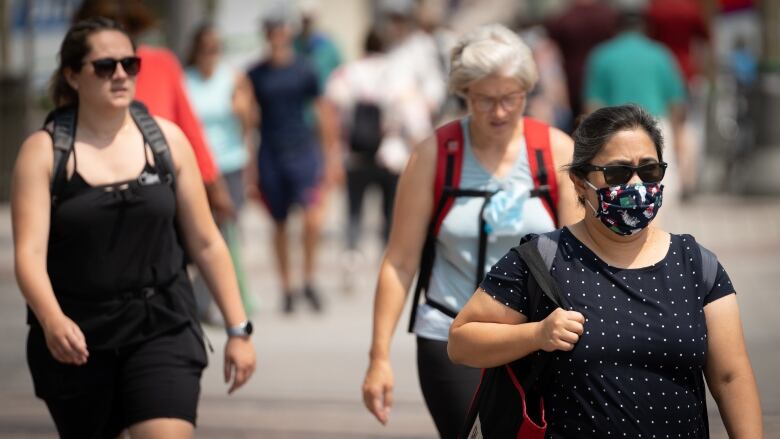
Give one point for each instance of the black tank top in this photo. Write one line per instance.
(115, 260)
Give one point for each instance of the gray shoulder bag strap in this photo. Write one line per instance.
(709, 268)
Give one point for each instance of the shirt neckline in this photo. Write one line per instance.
(591, 253)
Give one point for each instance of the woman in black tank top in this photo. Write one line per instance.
(113, 341)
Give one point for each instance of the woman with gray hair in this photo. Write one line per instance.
(453, 227)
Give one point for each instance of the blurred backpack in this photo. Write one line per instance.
(508, 401)
(366, 133)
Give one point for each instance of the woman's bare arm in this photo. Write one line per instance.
(728, 371)
(30, 210)
(208, 250)
(411, 215)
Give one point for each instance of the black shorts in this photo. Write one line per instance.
(159, 378)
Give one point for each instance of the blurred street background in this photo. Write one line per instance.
(311, 365)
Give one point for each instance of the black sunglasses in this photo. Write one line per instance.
(105, 67)
(620, 174)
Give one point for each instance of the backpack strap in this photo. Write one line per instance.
(709, 268)
(538, 255)
(63, 136)
(449, 162)
(541, 164)
(547, 244)
(153, 135)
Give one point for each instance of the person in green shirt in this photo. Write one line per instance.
(632, 68)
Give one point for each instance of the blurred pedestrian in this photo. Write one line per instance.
(416, 70)
(549, 101)
(682, 27)
(315, 45)
(497, 199)
(431, 18)
(293, 164)
(647, 315)
(160, 87)
(631, 68)
(99, 208)
(581, 26)
(222, 99)
(357, 90)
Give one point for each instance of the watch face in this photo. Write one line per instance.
(248, 328)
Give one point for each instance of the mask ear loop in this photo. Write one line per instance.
(596, 213)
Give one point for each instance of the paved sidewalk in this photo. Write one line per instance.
(310, 367)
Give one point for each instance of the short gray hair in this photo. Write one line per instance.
(487, 50)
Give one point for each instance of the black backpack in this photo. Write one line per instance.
(366, 133)
(63, 132)
(508, 402)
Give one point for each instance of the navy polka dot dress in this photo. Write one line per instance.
(637, 369)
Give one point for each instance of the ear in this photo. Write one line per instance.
(70, 77)
(579, 185)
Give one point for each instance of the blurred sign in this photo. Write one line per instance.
(45, 15)
(37, 28)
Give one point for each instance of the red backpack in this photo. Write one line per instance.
(449, 164)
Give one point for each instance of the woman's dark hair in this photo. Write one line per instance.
(595, 131)
(373, 42)
(72, 53)
(197, 41)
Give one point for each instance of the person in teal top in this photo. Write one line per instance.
(315, 46)
(633, 69)
(222, 99)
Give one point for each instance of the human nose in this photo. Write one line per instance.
(634, 178)
(498, 108)
(119, 72)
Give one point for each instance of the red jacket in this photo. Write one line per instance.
(160, 85)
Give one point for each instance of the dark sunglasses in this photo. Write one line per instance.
(620, 174)
(105, 67)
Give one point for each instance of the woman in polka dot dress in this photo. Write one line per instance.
(639, 334)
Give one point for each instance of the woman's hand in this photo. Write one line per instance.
(65, 341)
(561, 330)
(239, 361)
(378, 389)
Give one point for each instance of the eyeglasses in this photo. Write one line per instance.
(620, 174)
(105, 67)
(509, 102)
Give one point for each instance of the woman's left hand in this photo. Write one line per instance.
(239, 361)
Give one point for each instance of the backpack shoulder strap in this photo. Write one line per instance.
(547, 244)
(709, 267)
(538, 255)
(153, 135)
(449, 162)
(531, 253)
(63, 136)
(542, 165)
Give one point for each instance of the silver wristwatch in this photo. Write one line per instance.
(243, 329)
